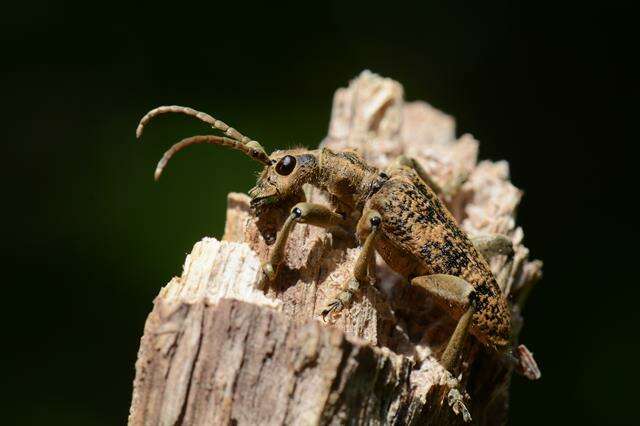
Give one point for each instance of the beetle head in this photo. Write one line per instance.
(283, 178)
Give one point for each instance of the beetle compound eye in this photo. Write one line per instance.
(286, 165)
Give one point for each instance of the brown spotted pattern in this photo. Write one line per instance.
(420, 237)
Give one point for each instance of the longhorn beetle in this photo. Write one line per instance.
(401, 218)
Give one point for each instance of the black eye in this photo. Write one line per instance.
(286, 165)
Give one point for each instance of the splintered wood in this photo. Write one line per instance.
(217, 349)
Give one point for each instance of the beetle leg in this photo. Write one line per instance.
(448, 191)
(493, 245)
(309, 213)
(457, 340)
(369, 225)
(455, 293)
(404, 161)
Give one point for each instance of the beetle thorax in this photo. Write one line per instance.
(346, 176)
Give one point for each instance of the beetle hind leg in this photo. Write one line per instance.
(456, 293)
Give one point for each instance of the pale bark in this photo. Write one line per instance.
(217, 350)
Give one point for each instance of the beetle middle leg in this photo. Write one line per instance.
(309, 213)
(404, 161)
(447, 191)
(368, 225)
(493, 245)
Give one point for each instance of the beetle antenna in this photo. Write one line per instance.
(202, 116)
(252, 149)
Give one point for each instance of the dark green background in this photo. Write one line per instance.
(89, 238)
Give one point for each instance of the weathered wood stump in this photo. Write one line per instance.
(217, 350)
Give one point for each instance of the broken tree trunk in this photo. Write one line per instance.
(217, 350)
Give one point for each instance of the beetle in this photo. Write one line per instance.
(400, 217)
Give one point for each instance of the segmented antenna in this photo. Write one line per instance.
(202, 116)
(249, 149)
(234, 140)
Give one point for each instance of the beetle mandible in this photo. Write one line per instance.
(401, 218)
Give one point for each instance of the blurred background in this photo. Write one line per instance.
(89, 238)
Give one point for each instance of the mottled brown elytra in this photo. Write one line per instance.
(401, 218)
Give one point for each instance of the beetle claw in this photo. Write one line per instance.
(332, 310)
(337, 305)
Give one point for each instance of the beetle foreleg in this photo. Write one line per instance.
(312, 214)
